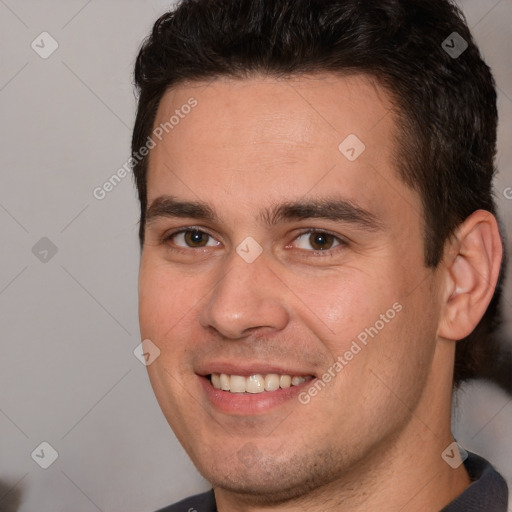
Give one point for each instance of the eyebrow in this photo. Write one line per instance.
(327, 208)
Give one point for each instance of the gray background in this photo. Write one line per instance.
(68, 375)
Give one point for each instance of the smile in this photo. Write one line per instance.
(257, 383)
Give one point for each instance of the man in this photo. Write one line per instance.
(318, 235)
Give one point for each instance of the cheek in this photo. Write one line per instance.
(165, 298)
(163, 317)
(401, 355)
(371, 323)
(344, 302)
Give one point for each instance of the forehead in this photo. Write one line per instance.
(308, 111)
(264, 139)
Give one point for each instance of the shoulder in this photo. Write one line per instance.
(204, 502)
(488, 491)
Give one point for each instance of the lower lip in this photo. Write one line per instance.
(250, 403)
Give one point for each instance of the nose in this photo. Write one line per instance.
(248, 297)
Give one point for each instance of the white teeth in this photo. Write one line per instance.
(271, 382)
(216, 380)
(285, 381)
(256, 383)
(224, 382)
(237, 384)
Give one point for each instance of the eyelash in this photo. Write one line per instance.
(342, 243)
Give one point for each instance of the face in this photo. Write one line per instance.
(281, 243)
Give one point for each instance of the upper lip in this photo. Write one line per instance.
(248, 369)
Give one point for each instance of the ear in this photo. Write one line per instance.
(472, 264)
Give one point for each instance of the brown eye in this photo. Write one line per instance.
(196, 238)
(321, 241)
(192, 239)
(317, 241)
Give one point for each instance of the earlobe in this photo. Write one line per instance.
(472, 271)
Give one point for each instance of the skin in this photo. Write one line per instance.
(372, 438)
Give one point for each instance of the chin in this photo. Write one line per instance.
(270, 481)
(269, 489)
